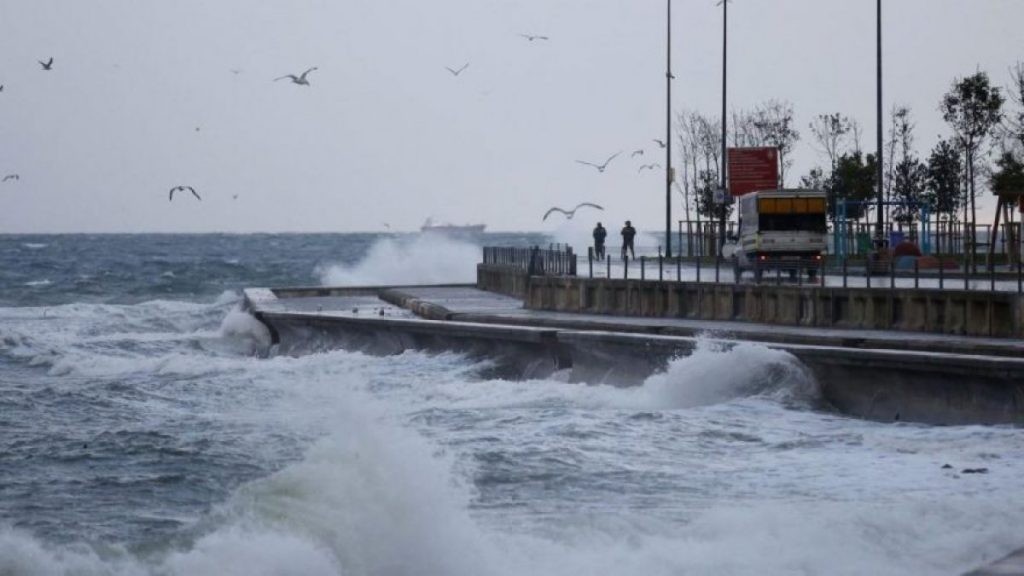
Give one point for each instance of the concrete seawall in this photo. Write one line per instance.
(959, 312)
(880, 384)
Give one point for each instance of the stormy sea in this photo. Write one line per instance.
(144, 431)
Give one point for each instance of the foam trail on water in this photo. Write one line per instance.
(420, 259)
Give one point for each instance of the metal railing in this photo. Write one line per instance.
(535, 261)
(935, 236)
(933, 272)
(929, 272)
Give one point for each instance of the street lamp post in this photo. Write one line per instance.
(879, 222)
(725, 158)
(669, 176)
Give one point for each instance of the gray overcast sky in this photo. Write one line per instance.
(385, 134)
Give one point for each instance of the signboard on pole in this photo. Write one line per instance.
(752, 169)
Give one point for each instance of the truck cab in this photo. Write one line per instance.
(784, 230)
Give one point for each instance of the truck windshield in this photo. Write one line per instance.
(792, 223)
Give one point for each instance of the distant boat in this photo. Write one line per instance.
(466, 231)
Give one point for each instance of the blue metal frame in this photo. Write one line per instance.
(839, 225)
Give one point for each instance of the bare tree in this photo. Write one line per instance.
(744, 134)
(906, 174)
(700, 150)
(774, 125)
(832, 133)
(1013, 123)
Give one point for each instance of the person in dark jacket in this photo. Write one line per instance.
(628, 234)
(600, 233)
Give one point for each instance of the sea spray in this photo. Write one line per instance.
(717, 372)
(421, 259)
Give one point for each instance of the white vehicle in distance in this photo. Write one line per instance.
(783, 230)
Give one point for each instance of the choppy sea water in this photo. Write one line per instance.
(139, 434)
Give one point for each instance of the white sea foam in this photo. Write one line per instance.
(34, 245)
(420, 259)
(713, 373)
(240, 324)
(38, 283)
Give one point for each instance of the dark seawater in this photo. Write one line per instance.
(140, 433)
(127, 269)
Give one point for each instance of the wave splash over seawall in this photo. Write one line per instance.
(718, 372)
(419, 259)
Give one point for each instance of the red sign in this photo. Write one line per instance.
(752, 169)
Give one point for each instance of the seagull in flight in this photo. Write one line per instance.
(459, 71)
(48, 65)
(532, 37)
(11, 177)
(300, 80)
(649, 167)
(661, 143)
(600, 167)
(1, 87)
(170, 196)
(570, 213)
(636, 153)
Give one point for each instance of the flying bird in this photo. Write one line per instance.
(636, 153)
(649, 167)
(234, 196)
(532, 37)
(661, 143)
(570, 213)
(300, 80)
(48, 65)
(600, 167)
(170, 196)
(1, 87)
(459, 71)
(11, 177)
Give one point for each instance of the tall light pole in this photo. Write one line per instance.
(879, 223)
(725, 160)
(669, 176)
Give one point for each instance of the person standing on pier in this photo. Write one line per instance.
(628, 234)
(600, 233)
